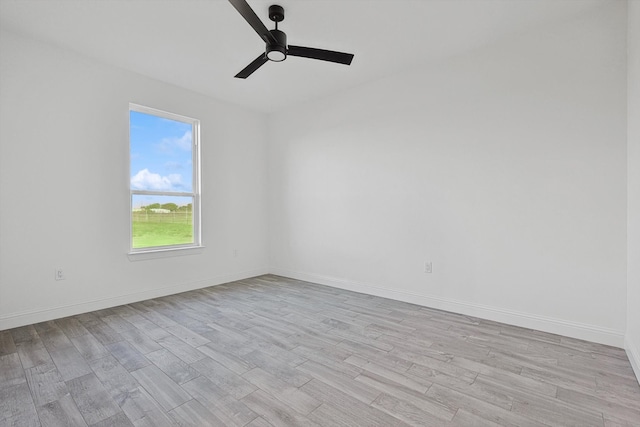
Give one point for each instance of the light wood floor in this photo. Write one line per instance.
(271, 351)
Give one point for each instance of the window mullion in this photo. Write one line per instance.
(162, 193)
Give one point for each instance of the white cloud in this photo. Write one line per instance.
(183, 143)
(173, 165)
(145, 180)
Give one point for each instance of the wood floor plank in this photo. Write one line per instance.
(7, 346)
(140, 341)
(286, 393)
(276, 367)
(61, 413)
(166, 392)
(456, 400)
(431, 375)
(503, 376)
(117, 323)
(46, 384)
(155, 419)
(615, 382)
(157, 317)
(415, 399)
(55, 339)
(273, 321)
(227, 408)
(24, 334)
(259, 422)
(405, 411)
(117, 381)
(615, 408)
(70, 362)
(347, 408)
(361, 349)
(33, 353)
(138, 404)
(403, 347)
(188, 336)
(17, 407)
(484, 390)
(231, 382)
(71, 327)
(329, 416)
(613, 421)
(467, 419)
(142, 409)
(415, 383)
(387, 361)
(126, 311)
(173, 366)
(193, 413)
(231, 341)
(271, 351)
(102, 332)
(275, 412)
(549, 410)
(271, 336)
(226, 359)
(552, 375)
(427, 362)
(89, 347)
(128, 356)
(92, 399)
(357, 337)
(332, 359)
(181, 349)
(146, 326)
(339, 382)
(117, 420)
(11, 372)
(555, 413)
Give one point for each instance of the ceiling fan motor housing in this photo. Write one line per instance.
(276, 13)
(277, 51)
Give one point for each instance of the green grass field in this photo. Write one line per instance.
(161, 229)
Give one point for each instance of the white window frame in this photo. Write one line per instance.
(196, 188)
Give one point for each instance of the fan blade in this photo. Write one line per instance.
(249, 69)
(324, 55)
(250, 16)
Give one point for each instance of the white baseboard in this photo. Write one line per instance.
(14, 320)
(526, 320)
(633, 353)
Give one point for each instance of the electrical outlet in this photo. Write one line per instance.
(235, 253)
(59, 274)
(428, 267)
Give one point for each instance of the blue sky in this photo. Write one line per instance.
(161, 155)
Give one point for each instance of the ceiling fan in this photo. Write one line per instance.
(277, 49)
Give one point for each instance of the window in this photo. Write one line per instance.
(164, 158)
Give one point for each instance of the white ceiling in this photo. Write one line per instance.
(201, 44)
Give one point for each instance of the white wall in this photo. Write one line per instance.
(633, 182)
(505, 167)
(64, 186)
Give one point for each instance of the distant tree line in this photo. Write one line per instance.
(168, 206)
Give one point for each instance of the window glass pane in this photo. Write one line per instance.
(161, 154)
(161, 221)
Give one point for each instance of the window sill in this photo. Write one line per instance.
(164, 253)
